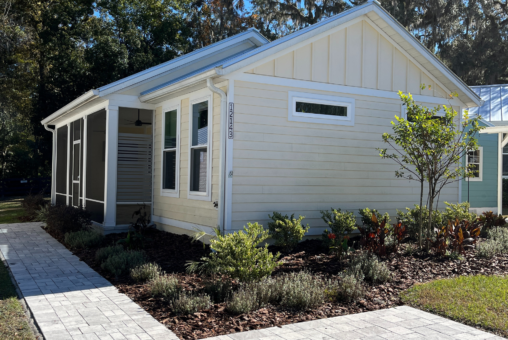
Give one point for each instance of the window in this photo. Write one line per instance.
(200, 139)
(170, 151)
(474, 161)
(315, 108)
(505, 162)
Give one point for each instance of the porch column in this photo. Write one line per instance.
(84, 140)
(110, 184)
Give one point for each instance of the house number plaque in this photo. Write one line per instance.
(231, 114)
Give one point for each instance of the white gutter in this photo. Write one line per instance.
(222, 166)
(80, 101)
(53, 165)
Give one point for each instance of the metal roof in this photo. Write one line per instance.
(495, 107)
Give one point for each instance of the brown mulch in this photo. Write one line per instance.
(172, 251)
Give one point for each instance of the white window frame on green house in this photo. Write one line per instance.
(312, 98)
(207, 194)
(176, 191)
(480, 167)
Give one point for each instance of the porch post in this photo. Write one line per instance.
(84, 140)
(67, 179)
(111, 166)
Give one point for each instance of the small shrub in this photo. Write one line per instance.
(367, 266)
(121, 263)
(340, 223)
(165, 286)
(458, 211)
(497, 243)
(219, 291)
(146, 272)
(66, 219)
(302, 291)
(32, 204)
(103, 254)
(366, 217)
(186, 303)
(242, 301)
(84, 239)
(238, 256)
(348, 289)
(411, 219)
(42, 214)
(287, 231)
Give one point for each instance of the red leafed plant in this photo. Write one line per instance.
(373, 239)
(459, 235)
(399, 232)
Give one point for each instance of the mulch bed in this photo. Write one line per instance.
(172, 251)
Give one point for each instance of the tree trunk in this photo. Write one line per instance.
(420, 222)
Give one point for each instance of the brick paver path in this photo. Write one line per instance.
(68, 299)
(398, 323)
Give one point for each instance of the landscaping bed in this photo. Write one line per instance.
(171, 252)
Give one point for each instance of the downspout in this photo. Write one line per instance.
(222, 166)
(53, 165)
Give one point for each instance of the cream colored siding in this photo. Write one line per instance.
(357, 55)
(181, 208)
(302, 168)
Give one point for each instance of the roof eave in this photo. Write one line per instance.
(81, 100)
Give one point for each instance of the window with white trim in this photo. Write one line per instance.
(505, 161)
(475, 164)
(199, 149)
(170, 151)
(324, 109)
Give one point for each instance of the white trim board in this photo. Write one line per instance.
(167, 192)
(183, 225)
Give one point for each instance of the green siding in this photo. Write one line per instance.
(483, 194)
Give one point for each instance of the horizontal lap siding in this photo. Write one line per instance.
(302, 168)
(181, 208)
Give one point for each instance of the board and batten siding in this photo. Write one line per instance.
(302, 168)
(358, 56)
(483, 194)
(181, 208)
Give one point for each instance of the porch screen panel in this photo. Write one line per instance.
(71, 161)
(61, 161)
(96, 164)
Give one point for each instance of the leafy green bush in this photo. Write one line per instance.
(411, 218)
(458, 211)
(83, 239)
(103, 254)
(238, 256)
(366, 217)
(242, 301)
(42, 214)
(186, 303)
(348, 289)
(122, 262)
(146, 272)
(340, 223)
(218, 290)
(497, 243)
(66, 219)
(165, 286)
(287, 231)
(365, 265)
(32, 204)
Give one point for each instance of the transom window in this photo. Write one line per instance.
(170, 152)
(474, 161)
(200, 166)
(316, 108)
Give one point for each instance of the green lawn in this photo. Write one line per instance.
(474, 300)
(10, 211)
(13, 322)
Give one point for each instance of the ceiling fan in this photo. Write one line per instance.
(138, 122)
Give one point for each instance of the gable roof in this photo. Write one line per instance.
(238, 52)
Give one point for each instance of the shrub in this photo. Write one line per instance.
(32, 204)
(122, 262)
(242, 301)
(42, 214)
(302, 290)
(238, 256)
(411, 219)
(84, 239)
(348, 289)
(496, 243)
(287, 231)
(103, 254)
(165, 286)
(146, 272)
(365, 265)
(219, 291)
(458, 211)
(186, 303)
(340, 223)
(65, 219)
(366, 217)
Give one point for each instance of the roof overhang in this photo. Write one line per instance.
(75, 104)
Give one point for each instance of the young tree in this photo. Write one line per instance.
(431, 148)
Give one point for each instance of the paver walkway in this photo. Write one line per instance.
(67, 298)
(398, 323)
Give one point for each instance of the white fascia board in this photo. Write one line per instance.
(252, 35)
(495, 129)
(76, 103)
(177, 86)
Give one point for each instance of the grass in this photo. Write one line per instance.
(475, 300)
(13, 322)
(10, 211)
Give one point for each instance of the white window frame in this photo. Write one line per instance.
(480, 178)
(176, 191)
(196, 195)
(502, 158)
(313, 98)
